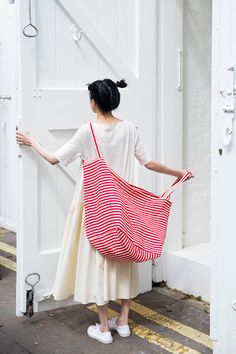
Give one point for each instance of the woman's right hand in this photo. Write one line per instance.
(28, 139)
(25, 138)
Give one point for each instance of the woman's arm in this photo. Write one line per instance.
(159, 167)
(29, 140)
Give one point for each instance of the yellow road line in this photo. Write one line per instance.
(151, 336)
(162, 320)
(7, 263)
(7, 248)
(3, 232)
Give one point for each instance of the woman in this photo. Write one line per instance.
(99, 279)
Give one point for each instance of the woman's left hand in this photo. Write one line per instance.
(182, 173)
(25, 138)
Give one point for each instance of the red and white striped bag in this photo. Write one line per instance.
(122, 221)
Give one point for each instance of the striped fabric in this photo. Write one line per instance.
(122, 221)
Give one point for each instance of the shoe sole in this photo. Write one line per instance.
(124, 335)
(99, 340)
(120, 334)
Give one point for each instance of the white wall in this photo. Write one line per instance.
(197, 120)
(169, 118)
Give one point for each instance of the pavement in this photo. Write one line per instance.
(162, 321)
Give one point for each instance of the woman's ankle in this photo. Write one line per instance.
(122, 321)
(104, 328)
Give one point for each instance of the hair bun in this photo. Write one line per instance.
(121, 83)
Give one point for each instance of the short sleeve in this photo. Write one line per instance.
(71, 150)
(140, 150)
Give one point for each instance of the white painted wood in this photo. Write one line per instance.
(223, 295)
(54, 71)
(91, 32)
(7, 116)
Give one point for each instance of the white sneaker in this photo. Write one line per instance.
(95, 333)
(123, 330)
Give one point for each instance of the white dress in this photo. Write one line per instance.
(82, 271)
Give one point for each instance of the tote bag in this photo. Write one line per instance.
(122, 221)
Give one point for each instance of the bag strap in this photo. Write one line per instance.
(95, 141)
(167, 193)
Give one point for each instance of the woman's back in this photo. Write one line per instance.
(118, 143)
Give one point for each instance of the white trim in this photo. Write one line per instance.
(214, 165)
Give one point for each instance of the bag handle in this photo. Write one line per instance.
(167, 193)
(95, 141)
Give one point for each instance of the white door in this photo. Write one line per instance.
(7, 111)
(223, 299)
(117, 41)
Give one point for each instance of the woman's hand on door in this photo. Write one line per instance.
(26, 138)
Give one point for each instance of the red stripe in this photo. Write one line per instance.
(99, 155)
(123, 221)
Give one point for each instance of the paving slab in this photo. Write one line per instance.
(162, 321)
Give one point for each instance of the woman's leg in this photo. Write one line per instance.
(103, 317)
(124, 312)
(102, 332)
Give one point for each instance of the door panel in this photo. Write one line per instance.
(55, 69)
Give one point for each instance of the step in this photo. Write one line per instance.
(189, 270)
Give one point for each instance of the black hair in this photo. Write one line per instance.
(106, 94)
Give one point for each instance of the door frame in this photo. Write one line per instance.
(223, 298)
(169, 77)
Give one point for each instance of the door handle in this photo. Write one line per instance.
(229, 109)
(180, 70)
(228, 123)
